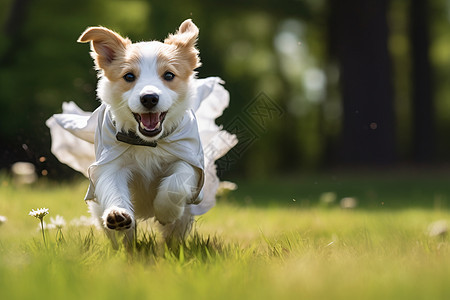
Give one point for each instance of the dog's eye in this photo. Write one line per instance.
(169, 76)
(129, 77)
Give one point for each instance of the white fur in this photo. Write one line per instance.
(145, 182)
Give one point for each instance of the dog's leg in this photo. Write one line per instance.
(180, 229)
(175, 191)
(114, 209)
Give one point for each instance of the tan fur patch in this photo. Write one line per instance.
(127, 63)
(171, 60)
(113, 54)
(106, 45)
(185, 40)
(116, 56)
(179, 55)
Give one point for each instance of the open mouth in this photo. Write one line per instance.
(150, 124)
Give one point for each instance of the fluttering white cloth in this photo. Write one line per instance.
(84, 140)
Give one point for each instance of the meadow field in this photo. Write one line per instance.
(288, 238)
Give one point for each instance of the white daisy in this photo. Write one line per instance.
(438, 228)
(83, 221)
(58, 221)
(3, 219)
(349, 203)
(39, 213)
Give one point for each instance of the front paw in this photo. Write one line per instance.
(117, 218)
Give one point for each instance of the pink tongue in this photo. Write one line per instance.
(150, 120)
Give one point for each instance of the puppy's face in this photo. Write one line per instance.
(146, 84)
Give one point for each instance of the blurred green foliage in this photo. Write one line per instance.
(278, 49)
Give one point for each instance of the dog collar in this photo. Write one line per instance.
(133, 139)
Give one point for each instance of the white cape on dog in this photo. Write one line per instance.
(84, 140)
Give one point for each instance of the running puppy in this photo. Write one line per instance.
(149, 157)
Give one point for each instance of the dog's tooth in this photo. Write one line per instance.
(145, 127)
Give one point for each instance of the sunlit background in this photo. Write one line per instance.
(314, 84)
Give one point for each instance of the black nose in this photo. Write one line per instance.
(149, 100)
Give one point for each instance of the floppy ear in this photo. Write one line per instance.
(185, 40)
(106, 45)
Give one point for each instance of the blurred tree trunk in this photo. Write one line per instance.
(12, 28)
(358, 39)
(422, 87)
(10, 149)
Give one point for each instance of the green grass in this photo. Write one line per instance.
(258, 243)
